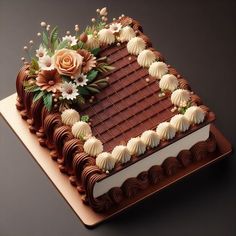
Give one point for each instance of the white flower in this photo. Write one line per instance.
(71, 39)
(41, 52)
(69, 90)
(81, 80)
(115, 27)
(46, 63)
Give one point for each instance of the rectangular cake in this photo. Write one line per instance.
(115, 116)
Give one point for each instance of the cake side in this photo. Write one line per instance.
(69, 151)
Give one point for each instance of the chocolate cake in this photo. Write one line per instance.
(116, 118)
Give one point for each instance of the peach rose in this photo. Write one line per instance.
(68, 62)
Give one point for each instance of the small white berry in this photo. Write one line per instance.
(25, 48)
(31, 42)
(98, 10)
(76, 28)
(67, 32)
(93, 20)
(43, 24)
(23, 59)
(118, 44)
(114, 19)
(122, 15)
(38, 34)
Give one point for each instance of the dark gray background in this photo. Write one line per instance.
(199, 39)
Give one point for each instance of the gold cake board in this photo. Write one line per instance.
(61, 182)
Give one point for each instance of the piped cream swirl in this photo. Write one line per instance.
(70, 116)
(105, 161)
(165, 131)
(121, 154)
(136, 146)
(136, 45)
(157, 69)
(146, 58)
(180, 123)
(93, 146)
(195, 115)
(150, 138)
(168, 82)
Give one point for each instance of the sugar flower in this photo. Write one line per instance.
(68, 62)
(89, 61)
(69, 90)
(49, 80)
(41, 52)
(71, 39)
(81, 80)
(46, 63)
(115, 27)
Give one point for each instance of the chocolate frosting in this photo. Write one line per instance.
(22, 76)
(80, 161)
(185, 158)
(49, 124)
(155, 174)
(70, 149)
(60, 136)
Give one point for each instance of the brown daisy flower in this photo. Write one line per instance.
(89, 60)
(49, 80)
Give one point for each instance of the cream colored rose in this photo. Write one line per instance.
(68, 62)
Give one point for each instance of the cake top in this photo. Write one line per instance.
(114, 91)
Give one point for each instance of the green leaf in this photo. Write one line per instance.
(105, 80)
(80, 100)
(90, 29)
(66, 78)
(62, 44)
(32, 88)
(104, 67)
(34, 64)
(54, 35)
(83, 91)
(93, 90)
(75, 47)
(84, 118)
(45, 40)
(103, 85)
(95, 51)
(37, 96)
(93, 85)
(47, 100)
(56, 43)
(92, 75)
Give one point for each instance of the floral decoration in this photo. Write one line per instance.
(64, 71)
